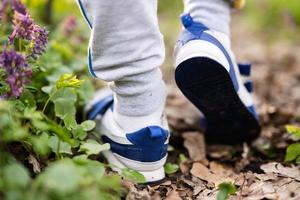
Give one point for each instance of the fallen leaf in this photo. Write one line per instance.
(215, 176)
(220, 151)
(35, 164)
(194, 143)
(292, 172)
(174, 195)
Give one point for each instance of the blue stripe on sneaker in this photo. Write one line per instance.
(249, 86)
(253, 111)
(84, 14)
(195, 31)
(100, 107)
(148, 145)
(190, 25)
(245, 69)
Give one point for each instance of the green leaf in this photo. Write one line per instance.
(68, 80)
(88, 125)
(81, 159)
(10, 125)
(41, 144)
(15, 176)
(70, 122)
(170, 148)
(133, 175)
(61, 177)
(111, 182)
(298, 160)
(86, 90)
(4, 87)
(36, 118)
(226, 189)
(64, 103)
(91, 147)
(171, 168)
(292, 152)
(63, 134)
(79, 133)
(62, 147)
(28, 99)
(293, 130)
(47, 89)
(182, 158)
(94, 169)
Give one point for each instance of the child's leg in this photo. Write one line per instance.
(126, 50)
(208, 74)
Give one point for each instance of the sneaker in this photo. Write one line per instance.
(207, 74)
(143, 150)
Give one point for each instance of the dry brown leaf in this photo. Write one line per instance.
(182, 115)
(35, 164)
(215, 176)
(292, 172)
(289, 191)
(208, 195)
(174, 195)
(220, 151)
(266, 177)
(166, 183)
(184, 167)
(194, 143)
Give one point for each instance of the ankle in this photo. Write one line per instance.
(134, 123)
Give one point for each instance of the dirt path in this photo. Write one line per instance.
(257, 170)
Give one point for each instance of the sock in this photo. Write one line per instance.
(215, 14)
(134, 123)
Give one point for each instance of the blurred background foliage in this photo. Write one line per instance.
(274, 18)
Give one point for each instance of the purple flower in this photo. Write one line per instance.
(18, 6)
(23, 27)
(18, 73)
(3, 7)
(39, 41)
(69, 25)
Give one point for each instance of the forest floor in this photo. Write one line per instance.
(258, 170)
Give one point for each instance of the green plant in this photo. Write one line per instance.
(276, 17)
(225, 190)
(293, 150)
(171, 168)
(45, 152)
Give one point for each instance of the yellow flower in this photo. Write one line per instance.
(239, 4)
(68, 80)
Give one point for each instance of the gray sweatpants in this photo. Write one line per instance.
(126, 47)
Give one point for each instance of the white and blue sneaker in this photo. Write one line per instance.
(207, 74)
(143, 150)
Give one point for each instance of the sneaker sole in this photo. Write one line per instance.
(152, 177)
(208, 86)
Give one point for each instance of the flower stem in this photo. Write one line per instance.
(20, 45)
(48, 100)
(58, 149)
